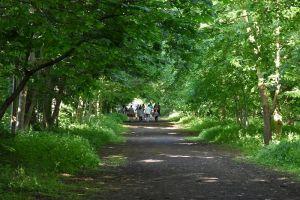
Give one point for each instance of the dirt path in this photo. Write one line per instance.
(161, 165)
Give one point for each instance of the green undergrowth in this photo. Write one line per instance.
(31, 162)
(283, 153)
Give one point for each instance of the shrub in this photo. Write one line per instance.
(221, 134)
(175, 116)
(98, 130)
(290, 129)
(97, 137)
(30, 161)
(119, 118)
(112, 121)
(286, 153)
(18, 182)
(187, 119)
(199, 124)
(54, 153)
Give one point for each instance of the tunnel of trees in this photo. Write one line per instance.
(226, 59)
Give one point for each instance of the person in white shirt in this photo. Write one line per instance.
(148, 111)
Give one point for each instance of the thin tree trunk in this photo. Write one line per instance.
(245, 110)
(58, 101)
(55, 113)
(237, 110)
(13, 96)
(47, 103)
(29, 74)
(15, 103)
(21, 109)
(80, 109)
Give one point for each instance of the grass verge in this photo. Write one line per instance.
(282, 154)
(32, 163)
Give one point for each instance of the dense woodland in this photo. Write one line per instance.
(69, 62)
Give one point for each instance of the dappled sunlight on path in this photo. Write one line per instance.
(157, 163)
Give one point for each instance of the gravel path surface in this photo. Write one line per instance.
(161, 165)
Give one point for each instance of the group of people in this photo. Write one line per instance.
(142, 112)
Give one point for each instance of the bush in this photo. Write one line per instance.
(220, 134)
(119, 118)
(199, 124)
(98, 130)
(175, 116)
(96, 137)
(290, 129)
(187, 119)
(283, 153)
(30, 161)
(54, 153)
(17, 182)
(104, 122)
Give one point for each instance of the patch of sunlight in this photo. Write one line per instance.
(205, 157)
(113, 160)
(206, 179)
(258, 180)
(150, 127)
(186, 143)
(66, 175)
(151, 161)
(176, 156)
(172, 133)
(82, 179)
(168, 128)
(282, 178)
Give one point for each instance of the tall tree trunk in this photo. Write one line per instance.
(245, 109)
(55, 105)
(15, 104)
(31, 102)
(79, 110)
(47, 112)
(21, 109)
(47, 99)
(264, 97)
(277, 117)
(237, 110)
(55, 113)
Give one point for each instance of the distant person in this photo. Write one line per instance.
(155, 114)
(140, 113)
(124, 110)
(150, 105)
(148, 111)
(131, 113)
(157, 107)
